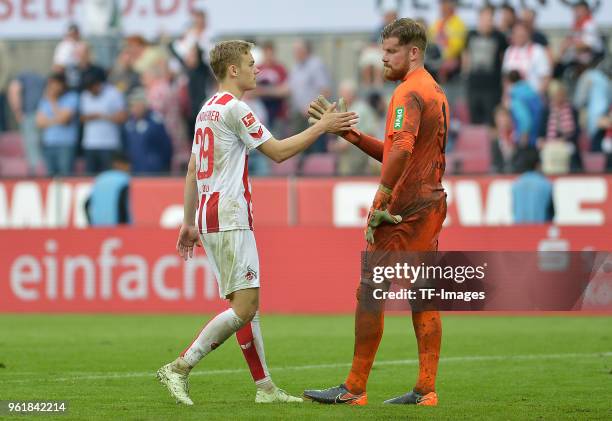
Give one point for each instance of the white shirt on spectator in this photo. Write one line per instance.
(531, 61)
(306, 81)
(588, 34)
(66, 53)
(102, 133)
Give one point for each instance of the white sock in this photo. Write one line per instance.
(251, 343)
(212, 335)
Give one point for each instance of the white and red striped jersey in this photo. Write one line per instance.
(531, 61)
(225, 131)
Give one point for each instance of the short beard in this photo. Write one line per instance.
(391, 75)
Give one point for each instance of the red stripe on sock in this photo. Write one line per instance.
(247, 345)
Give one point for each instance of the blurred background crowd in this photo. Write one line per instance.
(518, 98)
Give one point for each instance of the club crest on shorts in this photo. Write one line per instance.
(399, 118)
(250, 274)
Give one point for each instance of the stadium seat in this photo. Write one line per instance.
(472, 150)
(319, 164)
(79, 166)
(453, 162)
(11, 145)
(473, 139)
(593, 162)
(584, 143)
(461, 112)
(13, 167)
(288, 167)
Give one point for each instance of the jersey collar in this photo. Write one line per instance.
(415, 71)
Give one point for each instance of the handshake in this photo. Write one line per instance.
(321, 108)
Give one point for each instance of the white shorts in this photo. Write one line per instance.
(233, 259)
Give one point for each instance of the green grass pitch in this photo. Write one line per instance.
(492, 367)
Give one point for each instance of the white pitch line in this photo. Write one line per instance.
(479, 358)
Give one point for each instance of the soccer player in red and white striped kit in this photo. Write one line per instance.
(218, 214)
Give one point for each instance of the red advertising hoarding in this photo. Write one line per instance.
(303, 269)
(319, 202)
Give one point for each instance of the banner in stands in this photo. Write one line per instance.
(138, 270)
(314, 202)
(49, 19)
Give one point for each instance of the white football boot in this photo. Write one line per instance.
(177, 384)
(277, 395)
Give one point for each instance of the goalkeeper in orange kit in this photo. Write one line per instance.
(408, 209)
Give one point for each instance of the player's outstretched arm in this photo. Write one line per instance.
(188, 235)
(368, 144)
(330, 122)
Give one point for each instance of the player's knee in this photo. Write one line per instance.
(246, 314)
(245, 303)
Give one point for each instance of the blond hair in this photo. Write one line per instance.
(226, 53)
(407, 31)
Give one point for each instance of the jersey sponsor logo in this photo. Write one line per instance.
(257, 135)
(399, 118)
(248, 120)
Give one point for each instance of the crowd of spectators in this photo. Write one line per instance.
(502, 74)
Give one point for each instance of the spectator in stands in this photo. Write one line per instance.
(24, 95)
(503, 145)
(200, 81)
(592, 98)
(605, 126)
(66, 52)
(147, 142)
(482, 62)
(102, 20)
(532, 198)
(507, 19)
(389, 14)
(198, 34)
(528, 17)
(5, 72)
(102, 113)
(584, 35)
(75, 72)
(272, 87)
(528, 58)
(163, 98)
(351, 160)
(122, 74)
(308, 79)
(433, 54)
(526, 109)
(109, 202)
(448, 33)
(144, 56)
(558, 139)
(57, 118)
(370, 57)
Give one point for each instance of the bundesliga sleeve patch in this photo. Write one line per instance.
(248, 120)
(399, 118)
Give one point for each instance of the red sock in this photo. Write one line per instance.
(251, 343)
(428, 330)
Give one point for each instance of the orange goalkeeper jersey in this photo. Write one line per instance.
(419, 107)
